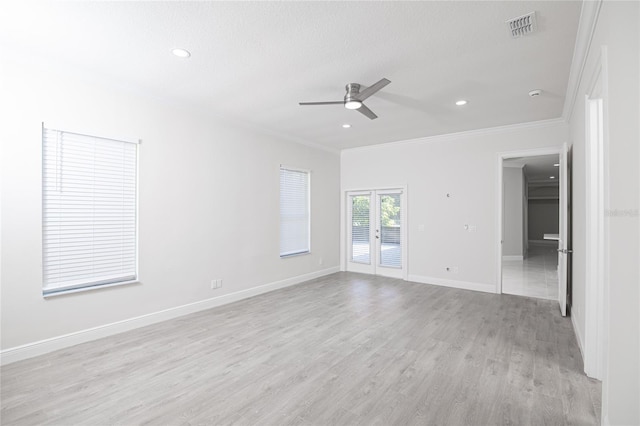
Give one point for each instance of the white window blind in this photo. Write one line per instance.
(294, 212)
(89, 211)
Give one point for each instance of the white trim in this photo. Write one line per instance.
(513, 257)
(88, 288)
(596, 179)
(462, 285)
(499, 223)
(513, 165)
(402, 187)
(534, 152)
(295, 169)
(41, 347)
(579, 338)
(87, 133)
(586, 28)
(478, 132)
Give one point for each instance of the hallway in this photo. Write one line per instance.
(535, 276)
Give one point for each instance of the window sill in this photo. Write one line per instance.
(90, 288)
(286, 256)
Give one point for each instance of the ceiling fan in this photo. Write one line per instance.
(354, 97)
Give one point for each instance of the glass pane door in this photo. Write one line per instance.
(388, 232)
(360, 229)
(375, 221)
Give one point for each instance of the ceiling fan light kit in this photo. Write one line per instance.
(354, 98)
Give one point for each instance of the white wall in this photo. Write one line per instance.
(463, 165)
(209, 200)
(513, 219)
(617, 30)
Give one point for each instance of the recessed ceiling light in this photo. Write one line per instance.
(181, 53)
(552, 177)
(461, 102)
(346, 126)
(556, 165)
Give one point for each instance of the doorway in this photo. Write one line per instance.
(530, 226)
(533, 225)
(376, 232)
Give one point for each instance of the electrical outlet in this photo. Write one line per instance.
(213, 284)
(220, 283)
(452, 269)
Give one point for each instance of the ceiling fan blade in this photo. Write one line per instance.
(372, 89)
(366, 111)
(323, 103)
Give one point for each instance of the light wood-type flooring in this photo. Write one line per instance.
(345, 349)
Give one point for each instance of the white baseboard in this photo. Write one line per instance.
(464, 285)
(578, 336)
(550, 243)
(514, 257)
(41, 347)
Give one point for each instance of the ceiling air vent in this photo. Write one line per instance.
(522, 25)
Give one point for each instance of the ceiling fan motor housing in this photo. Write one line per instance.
(352, 91)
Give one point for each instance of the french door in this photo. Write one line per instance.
(375, 234)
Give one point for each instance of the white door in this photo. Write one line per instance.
(563, 243)
(375, 234)
(360, 232)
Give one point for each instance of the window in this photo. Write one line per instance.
(294, 212)
(89, 211)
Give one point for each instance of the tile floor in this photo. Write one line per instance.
(536, 276)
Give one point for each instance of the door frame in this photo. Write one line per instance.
(344, 200)
(552, 150)
(597, 242)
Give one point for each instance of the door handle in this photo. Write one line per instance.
(565, 251)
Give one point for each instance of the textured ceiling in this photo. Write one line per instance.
(254, 61)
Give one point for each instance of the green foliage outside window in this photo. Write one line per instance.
(389, 209)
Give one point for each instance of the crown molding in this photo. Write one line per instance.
(477, 132)
(586, 28)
